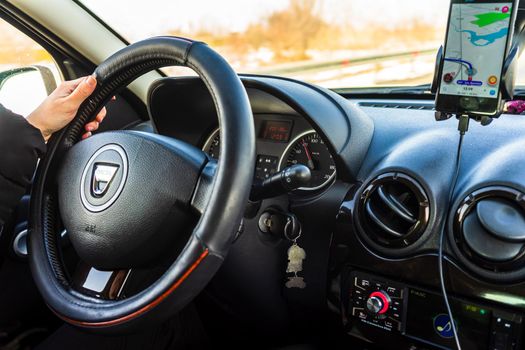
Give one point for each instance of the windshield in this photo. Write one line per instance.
(332, 43)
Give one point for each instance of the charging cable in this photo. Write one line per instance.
(463, 128)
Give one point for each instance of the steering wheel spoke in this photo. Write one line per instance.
(108, 285)
(204, 187)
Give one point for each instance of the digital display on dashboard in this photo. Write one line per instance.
(278, 131)
(427, 320)
(475, 48)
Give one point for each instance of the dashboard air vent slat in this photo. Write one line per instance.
(379, 222)
(393, 211)
(486, 245)
(396, 205)
(502, 218)
(489, 229)
(399, 105)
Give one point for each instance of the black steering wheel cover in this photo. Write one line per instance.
(214, 233)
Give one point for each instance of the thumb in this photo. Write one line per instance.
(83, 90)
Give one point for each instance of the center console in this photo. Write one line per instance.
(418, 317)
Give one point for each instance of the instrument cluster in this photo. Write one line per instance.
(281, 143)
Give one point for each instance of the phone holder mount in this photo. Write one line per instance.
(507, 84)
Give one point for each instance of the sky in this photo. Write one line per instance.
(144, 18)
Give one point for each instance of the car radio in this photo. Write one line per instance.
(377, 302)
(420, 315)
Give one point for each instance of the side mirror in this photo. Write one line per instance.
(23, 89)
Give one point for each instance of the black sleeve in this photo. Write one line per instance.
(21, 145)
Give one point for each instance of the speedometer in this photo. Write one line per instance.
(309, 149)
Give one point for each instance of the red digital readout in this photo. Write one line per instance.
(277, 131)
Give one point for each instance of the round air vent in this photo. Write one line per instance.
(489, 229)
(393, 211)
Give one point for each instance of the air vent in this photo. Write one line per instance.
(398, 105)
(393, 211)
(489, 229)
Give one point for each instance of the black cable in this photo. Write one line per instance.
(462, 127)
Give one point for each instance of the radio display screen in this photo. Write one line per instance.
(427, 320)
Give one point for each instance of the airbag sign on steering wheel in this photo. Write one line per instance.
(103, 178)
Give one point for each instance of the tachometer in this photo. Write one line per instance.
(309, 149)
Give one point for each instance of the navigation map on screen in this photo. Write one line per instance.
(475, 50)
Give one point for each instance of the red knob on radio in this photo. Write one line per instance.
(378, 302)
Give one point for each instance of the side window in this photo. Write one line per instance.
(27, 71)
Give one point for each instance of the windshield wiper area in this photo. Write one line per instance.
(519, 91)
(423, 89)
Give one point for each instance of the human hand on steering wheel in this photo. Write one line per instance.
(61, 106)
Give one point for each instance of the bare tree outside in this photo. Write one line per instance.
(293, 33)
(290, 33)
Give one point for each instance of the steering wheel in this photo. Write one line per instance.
(128, 199)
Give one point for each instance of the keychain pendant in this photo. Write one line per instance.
(295, 282)
(296, 256)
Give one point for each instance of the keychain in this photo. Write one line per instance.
(296, 256)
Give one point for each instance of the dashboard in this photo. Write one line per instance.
(386, 187)
(408, 197)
